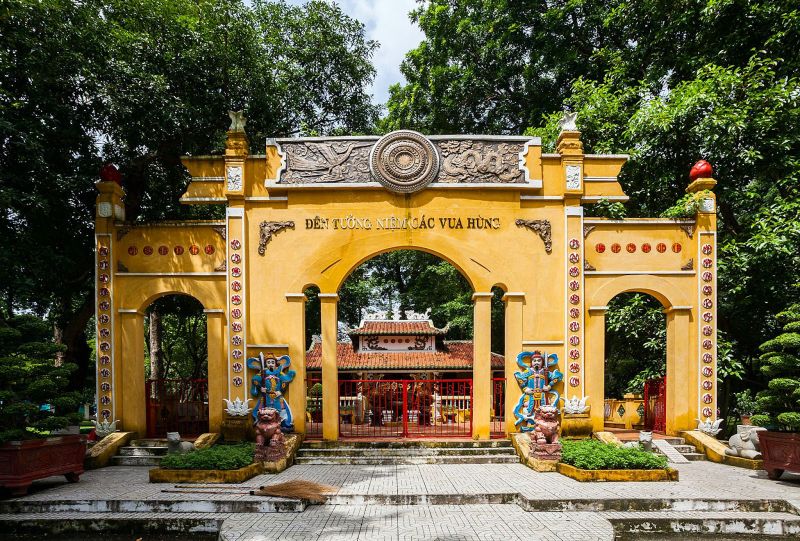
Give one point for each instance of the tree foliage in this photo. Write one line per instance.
(33, 395)
(778, 406)
(139, 83)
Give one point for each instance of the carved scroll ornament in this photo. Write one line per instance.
(542, 228)
(268, 229)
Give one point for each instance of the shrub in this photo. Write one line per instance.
(596, 455)
(218, 457)
(33, 396)
(778, 406)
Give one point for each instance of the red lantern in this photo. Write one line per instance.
(701, 169)
(109, 173)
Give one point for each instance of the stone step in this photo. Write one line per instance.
(403, 452)
(201, 527)
(694, 457)
(703, 525)
(405, 444)
(120, 460)
(143, 451)
(408, 460)
(684, 448)
(193, 503)
(148, 443)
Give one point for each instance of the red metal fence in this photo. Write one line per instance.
(405, 408)
(655, 404)
(177, 405)
(498, 428)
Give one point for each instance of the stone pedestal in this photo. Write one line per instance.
(274, 451)
(545, 456)
(237, 428)
(576, 425)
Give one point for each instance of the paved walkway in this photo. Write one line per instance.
(481, 501)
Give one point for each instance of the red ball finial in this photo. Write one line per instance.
(702, 169)
(109, 173)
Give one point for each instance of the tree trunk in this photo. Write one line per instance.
(71, 332)
(156, 336)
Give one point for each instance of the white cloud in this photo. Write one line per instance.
(387, 22)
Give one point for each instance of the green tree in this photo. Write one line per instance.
(139, 83)
(778, 406)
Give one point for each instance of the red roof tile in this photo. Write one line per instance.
(373, 327)
(457, 357)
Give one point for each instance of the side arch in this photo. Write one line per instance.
(662, 289)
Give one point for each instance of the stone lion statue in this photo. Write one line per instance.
(546, 419)
(270, 443)
(176, 446)
(745, 442)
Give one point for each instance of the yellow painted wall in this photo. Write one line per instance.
(337, 229)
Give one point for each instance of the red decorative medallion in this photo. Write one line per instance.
(209, 249)
(574, 340)
(707, 249)
(707, 357)
(133, 250)
(661, 247)
(103, 251)
(163, 250)
(616, 248)
(707, 398)
(147, 250)
(707, 303)
(574, 354)
(706, 412)
(574, 326)
(574, 285)
(574, 381)
(236, 326)
(708, 317)
(236, 244)
(574, 271)
(707, 385)
(574, 258)
(676, 247)
(574, 313)
(707, 344)
(630, 247)
(708, 290)
(574, 244)
(646, 248)
(194, 249)
(707, 276)
(574, 367)
(574, 299)
(599, 247)
(178, 250)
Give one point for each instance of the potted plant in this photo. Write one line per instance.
(745, 405)
(35, 406)
(778, 407)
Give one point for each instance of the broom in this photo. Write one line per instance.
(297, 489)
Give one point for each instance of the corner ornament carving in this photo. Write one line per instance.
(267, 230)
(542, 228)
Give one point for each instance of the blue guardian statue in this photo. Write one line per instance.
(536, 380)
(269, 385)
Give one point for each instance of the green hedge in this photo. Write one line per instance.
(596, 455)
(218, 457)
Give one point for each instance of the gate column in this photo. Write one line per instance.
(330, 372)
(217, 367)
(513, 338)
(682, 407)
(296, 395)
(130, 392)
(595, 364)
(482, 365)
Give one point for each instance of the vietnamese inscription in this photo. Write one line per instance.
(394, 223)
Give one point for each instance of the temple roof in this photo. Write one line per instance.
(456, 355)
(394, 327)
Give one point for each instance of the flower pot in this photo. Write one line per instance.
(746, 420)
(22, 462)
(780, 452)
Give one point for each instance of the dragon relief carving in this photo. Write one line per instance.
(267, 229)
(335, 161)
(480, 161)
(542, 228)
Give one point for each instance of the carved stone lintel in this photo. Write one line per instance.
(268, 229)
(122, 231)
(689, 265)
(688, 229)
(588, 229)
(588, 266)
(121, 267)
(221, 230)
(222, 267)
(542, 228)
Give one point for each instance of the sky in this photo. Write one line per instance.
(386, 22)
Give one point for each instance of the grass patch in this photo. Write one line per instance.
(596, 455)
(218, 457)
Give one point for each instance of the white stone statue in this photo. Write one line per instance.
(645, 440)
(745, 442)
(567, 122)
(104, 428)
(574, 405)
(707, 427)
(237, 120)
(175, 445)
(237, 408)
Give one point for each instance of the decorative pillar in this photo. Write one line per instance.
(109, 207)
(217, 367)
(681, 400)
(330, 370)
(129, 385)
(595, 364)
(482, 365)
(296, 395)
(513, 340)
(706, 325)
